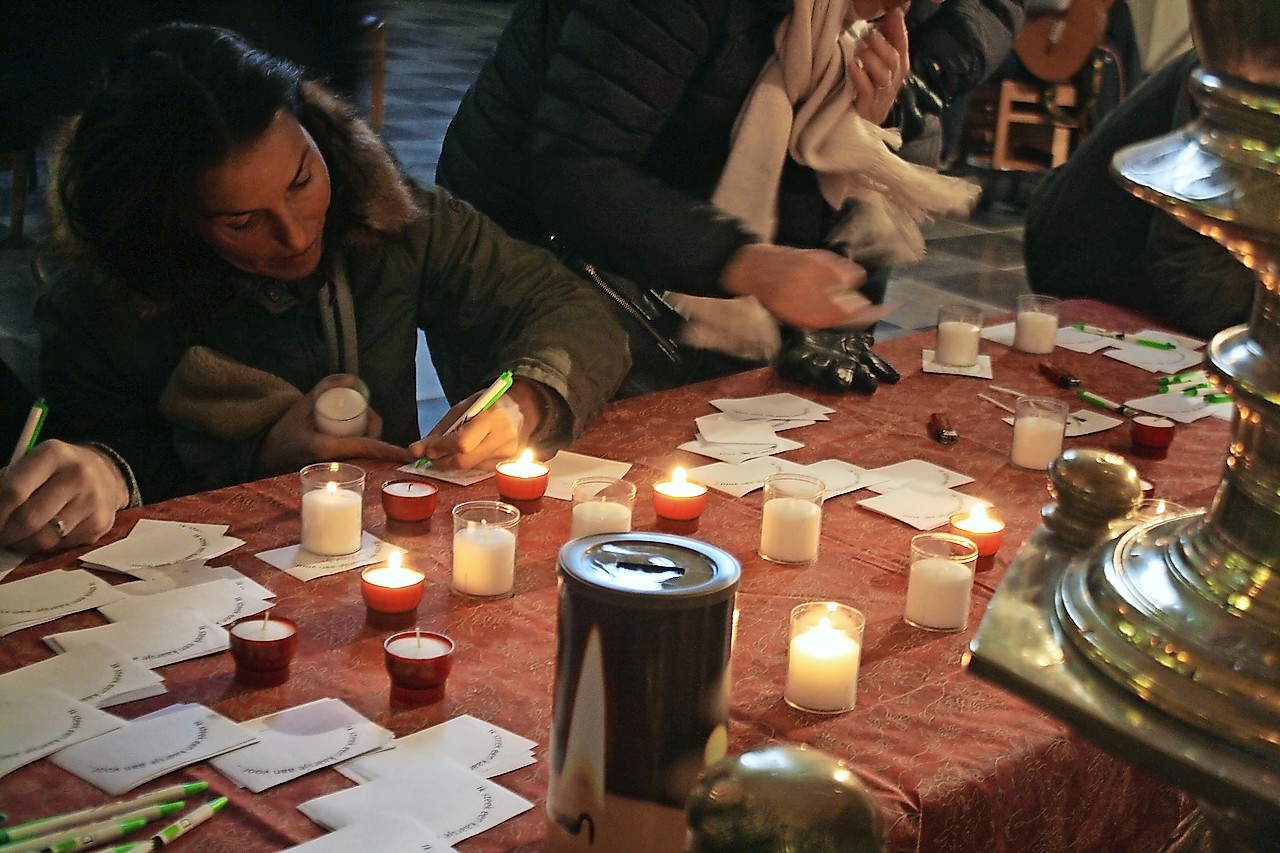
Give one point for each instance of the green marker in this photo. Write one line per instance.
(490, 396)
(90, 839)
(1217, 398)
(47, 825)
(1188, 376)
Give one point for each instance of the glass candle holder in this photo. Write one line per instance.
(940, 581)
(1035, 327)
(263, 647)
(1039, 425)
(522, 479)
(332, 508)
(418, 663)
(409, 500)
(601, 505)
(823, 657)
(791, 526)
(959, 331)
(484, 549)
(678, 499)
(343, 411)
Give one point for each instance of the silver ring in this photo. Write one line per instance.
(60, 526)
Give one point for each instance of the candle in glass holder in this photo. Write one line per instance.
(1035, 327)
(484, 548)
(409, 500)
(342, 412)
(418, 662)
(985, 531)
(392, 588)
(791, 526)
(522, 479)
(940, 581)
(959, 333)
(1039, 424)
(332, 508)
(263, 647)
(822, 661)
(678, 499)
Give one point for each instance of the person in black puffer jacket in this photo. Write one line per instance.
(608, 124)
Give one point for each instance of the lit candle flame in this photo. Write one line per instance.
(527, 456)
(331, 487)
(978, 521)
(394, 560)
(678, 476)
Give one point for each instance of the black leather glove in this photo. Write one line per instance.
(834, 361)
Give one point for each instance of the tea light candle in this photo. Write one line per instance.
(600, 517)
(938, 594)
(1151, 436)
(980, 528)
(263, 648)
(419, 663)
(391, 588)
(677, 499)
(1036, 441)
(822, 669)
(484, 560)
(342, 412)
(331, 521)
(522, 479)
(409, 500)
(957, 343)
(791, 530)
(1035, 332)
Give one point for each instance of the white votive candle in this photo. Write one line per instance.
(790, 530)
(957, 343)
(418, 648)
(1035, 332)
(331, 521)
(262, 630)
(1036, 441)
(342, 412)
(484, 560)
(822, 669)
(938, 594)
(600, 517)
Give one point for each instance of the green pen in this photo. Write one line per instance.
(1104, 403)
(1194, 390)
(1188, 376)
(30, 430)
(1147, 342)
(490, 396)
(181, 826)
(1217, 398)
(90, 839)
(95, 832)
(47, 825)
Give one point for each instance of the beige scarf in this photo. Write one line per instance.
(802, 104)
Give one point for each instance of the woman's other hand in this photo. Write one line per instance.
(59, 496)
(802, 288)
(880, 64)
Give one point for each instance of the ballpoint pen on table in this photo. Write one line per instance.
(181, 826)
(1104, 403)
(47, 825)
(490, 396)
(30, 431)
(1123, 336)
(94, 834)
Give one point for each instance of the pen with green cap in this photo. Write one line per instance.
(46, 825)
(1104, 403)
(181, 826)
(1123, 336)
(490, 396)
(97, 833)
(30, 430)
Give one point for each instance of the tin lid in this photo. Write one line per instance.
(657, 570)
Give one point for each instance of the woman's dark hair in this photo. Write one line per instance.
(175, 101)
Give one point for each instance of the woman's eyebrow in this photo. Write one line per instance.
(302, 162)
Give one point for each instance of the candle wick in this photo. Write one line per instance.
(417, 633)
(266, 617)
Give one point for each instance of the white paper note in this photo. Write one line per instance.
(742, 478)
(50, 595)
(457, 477)
(1181, 408)
(44, 721)
(153, 543)
(565, 467)
(383, 833)
(1154, 360)
(158, 640)
(740, 452)
(151, 746)
(784, 406)
(482, 747)
(922, 507)
(98, 674)
(979, 370)
(914, 471)
(219, 601)
(179, 575)
(305, 566)
(840, 477)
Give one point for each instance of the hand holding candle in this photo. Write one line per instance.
(522, 479)
(678, 499)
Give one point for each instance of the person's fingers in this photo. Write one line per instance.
(374, 428)
(879, 60)
(360, 447)
(893, 27)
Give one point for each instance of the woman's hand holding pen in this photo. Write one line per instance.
(494, 435)
(294, 440)
(59, 495)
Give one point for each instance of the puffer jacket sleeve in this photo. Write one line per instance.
(958, 44)
(615, 78)
(489, 303)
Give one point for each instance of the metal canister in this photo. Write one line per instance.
(645, 628)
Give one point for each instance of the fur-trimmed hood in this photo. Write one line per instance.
(375, 202)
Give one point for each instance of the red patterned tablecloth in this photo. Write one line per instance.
(956, 763)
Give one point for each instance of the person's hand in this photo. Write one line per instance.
(835, 361)
(495, 435)
(294, 440)
(803, 288)
(880, 64)
(58, 496)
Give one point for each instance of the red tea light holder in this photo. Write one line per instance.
(678, 499)
(978, 526)
(1151, 435)
(409, 500)
(418, 663)
(263, 647)
(522, 479)
(392, 589)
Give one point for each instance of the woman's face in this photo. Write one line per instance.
(263, 208)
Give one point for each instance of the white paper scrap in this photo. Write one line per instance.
(179, 575)
(923, 507)
(44, 721)
(219, 601)
(158, 640)
(979, 370)
(50, 595)
(482, 747)
(567, 467)
(914, 471)
(98, 674)
(153, 543)
(784, 406)
(384, 833)
(742, 478)
(305, 566)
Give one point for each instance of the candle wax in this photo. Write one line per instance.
(1036, 442)
(423, 648)
(254, 631)
(790, 530)
(407, 489)
(342, 412)
(600, 517)
(1035, 332)
(331, 521)
(957, 343)
(822, 669)
(938, 594)
(484, 560)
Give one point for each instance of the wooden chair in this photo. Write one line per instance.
(1025, 125)
(375, 36)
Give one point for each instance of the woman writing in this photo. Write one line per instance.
(239, 243)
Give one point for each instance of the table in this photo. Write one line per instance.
(955, 762)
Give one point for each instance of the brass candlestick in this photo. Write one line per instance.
(1166, 638)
